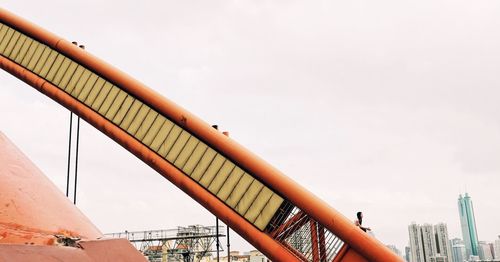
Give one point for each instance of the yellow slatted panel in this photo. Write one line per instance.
(6, 40)
(94, 92)
(258, 204)
(3, 32)
(24, 50)
(73, 77)
(138, 119)
(80, 83)
(169, 141)
(247, 199)
(36, 55)
(162, 134)
(124, 108)
(230, 183)
(29, 54)
(240, 189)
(17, 47)
(103, 93)
(11, 44)
(115, 106)
(195, 157)
(212, 170)
(41, 61)
(203, 164)
(178, 146)
(146, 125)
(221, 177)
(66, 65)
(186, 152)
(89, 85)
(134, 109)
(51, 58)
(55, 67)
(106, 104)
(154, 130)
(268, 212)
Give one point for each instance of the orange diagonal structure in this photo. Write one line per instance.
(244, 191)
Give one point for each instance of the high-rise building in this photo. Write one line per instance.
(484, 251)
(458, 251)
(492, 250)
(496, 246)
(442, 241)
(408, 254)
(468, 223)
(416, 244)
(428, 241)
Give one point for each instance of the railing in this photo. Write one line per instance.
(169, 234)
(304, 236)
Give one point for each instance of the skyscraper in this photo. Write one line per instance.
(497, 248)
(416, 245)
(408, 254)
(468, 223)
(458, 250)
(485, 251)
(428, 241)
(442, 241)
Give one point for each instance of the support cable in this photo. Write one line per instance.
(228, 245)
(76, 159)
(217, 236)
(69, 151)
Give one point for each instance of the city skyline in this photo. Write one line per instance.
(467, 216)
(430, 243)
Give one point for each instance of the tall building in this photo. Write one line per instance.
(408, 254)
(458, 251)
(428, 241)
(442, 241)
(468, 223)
(492, 250)
(416, 244)
(497, 248)
(484, 251)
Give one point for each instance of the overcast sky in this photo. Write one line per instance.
(389, 107)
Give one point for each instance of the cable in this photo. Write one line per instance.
(69, 151)
(217, 236)
(76, 159)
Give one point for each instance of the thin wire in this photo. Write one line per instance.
(76, 159)
(217, 236)
(228, 245)
(69, 151)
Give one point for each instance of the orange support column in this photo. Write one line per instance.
(322, 243)
(314, 240)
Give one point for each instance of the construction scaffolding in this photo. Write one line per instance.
(186, 244)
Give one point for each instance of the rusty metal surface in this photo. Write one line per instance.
(32, 209)
(88, 251)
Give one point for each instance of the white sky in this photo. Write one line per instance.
(389, 107)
